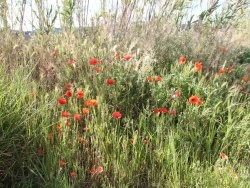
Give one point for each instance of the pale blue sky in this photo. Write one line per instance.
(94, 6)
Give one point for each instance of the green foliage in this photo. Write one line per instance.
(143, 130)
(244, 56)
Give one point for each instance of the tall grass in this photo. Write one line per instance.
(131, 121)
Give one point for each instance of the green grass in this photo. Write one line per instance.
(180, 150)
(142, 130)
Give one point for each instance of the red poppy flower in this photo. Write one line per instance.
(223, 49)
(68, 94)
(72, 62)
(172, 112)
(62, 101)
(40, 151)
(92, 171)
(199, 102)
(50, 136)
(182, 60)
(117, 115)
(244, 79)
(99, 169)
(221, 71)
(90, 102)
(97, 69)
(73, 174)
(116, 56)
(67, 123)
(62, 163)
(158, 78)
(54, 53)
(127, 57)
(177, 94)
(65, 114)
(131, 140)
(77, 117)
(145, 141)
(85, 111)
(110, 81)
(149, 79)
(223, 156)
(58, 127)
(229, 68)
(68, 86)
(156, 111)
(93, 61)
(80, 94)
(32, 95)
(194, 99)
(163, 110)
(198, 66)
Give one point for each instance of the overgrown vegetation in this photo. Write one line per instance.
(135, 104)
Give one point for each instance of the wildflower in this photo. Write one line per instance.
(234, 175)
(116, 56)
(65, 114)
(85, 111)
(91, 102)
(229, 68)
(54, 53)
(58, 127)
(73, 174)
(156, 111)
(172, 112)
(193, 99)
(97, 69)
(80, 94)
(127, 57)
(50, 136)
(223, 49)
(93, 61)
(67, 123)
(117, 115)
(99, 169)
(198, 66)
(110, 81)
(39, 151)
(158, 78)
(62, 101)
(163, 110)
(182, 60)
(68, 94)
(68, 86)
(176, 94)
(85, 128)
(131, 140)
(72, 62)
(221, 71)
(223, 156)
(149, 79)
(62, 163)
(77, 117)
(145, 141)
(92, 171)
(199, 102)
(244, 79)
(32, 95)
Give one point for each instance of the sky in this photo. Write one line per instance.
(94, 7)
